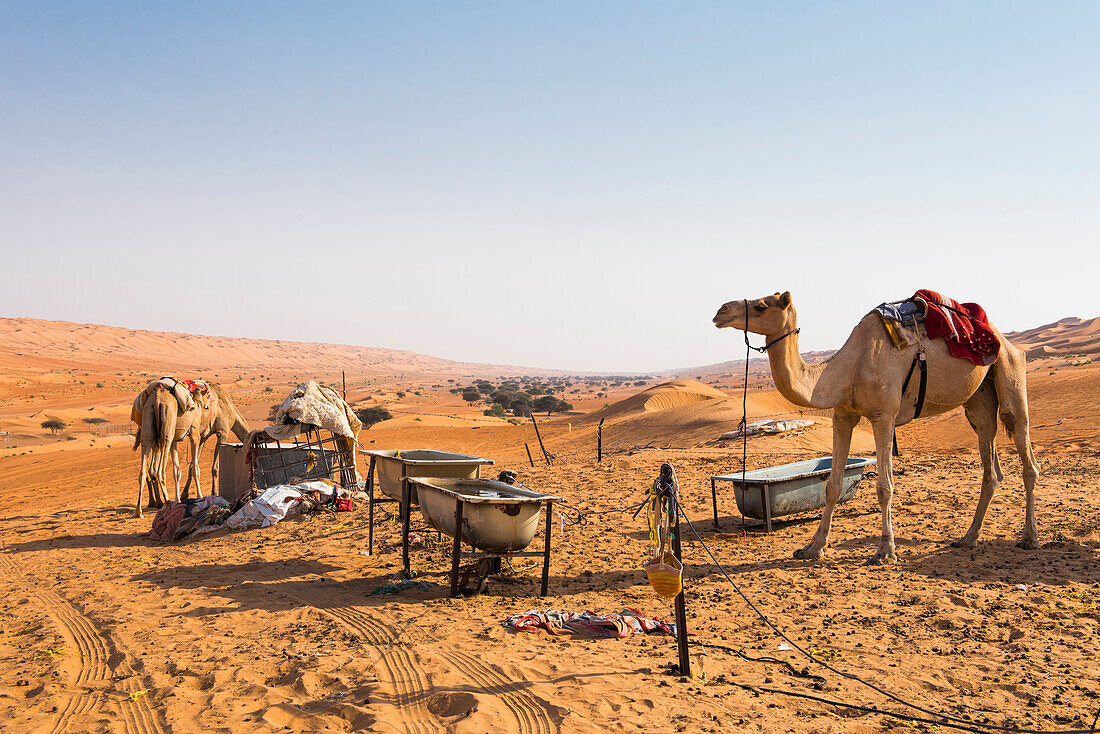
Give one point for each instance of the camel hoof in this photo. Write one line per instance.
(809, 553)
(1028, 544)
(964, 543)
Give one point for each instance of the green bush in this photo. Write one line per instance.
(370, 416)
(497, 411)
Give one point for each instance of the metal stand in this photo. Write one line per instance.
(713, 500)
(495, 558)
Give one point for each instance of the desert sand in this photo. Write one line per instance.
(272, 629)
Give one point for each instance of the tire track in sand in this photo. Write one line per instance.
(530, 715)
(95, 651)
(407, 678)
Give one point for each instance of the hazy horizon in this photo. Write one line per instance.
(567, 187)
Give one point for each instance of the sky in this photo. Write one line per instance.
(559, 185)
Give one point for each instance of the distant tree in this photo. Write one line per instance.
(471, 395)
(370, 416)
(551, 404)
(639, 383)
(485, 387)
(521, 405)
(54, 425)
(94, 421)
(497, 411)
(400, 394)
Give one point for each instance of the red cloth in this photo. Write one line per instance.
(964, 326)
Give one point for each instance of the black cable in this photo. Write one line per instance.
(851, 676)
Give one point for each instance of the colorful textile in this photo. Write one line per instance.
(964, 326)
(167, 521)
(206, 514)
(589, 624)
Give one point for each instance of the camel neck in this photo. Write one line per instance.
(795, 380)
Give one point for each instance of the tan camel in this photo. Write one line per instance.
(213, 414)
(222, 418)
(162, 425)
(864, 379)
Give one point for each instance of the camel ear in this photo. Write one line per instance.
(785, 299)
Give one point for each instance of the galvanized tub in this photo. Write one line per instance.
(791, 488)
(496, 517)
(393, 466)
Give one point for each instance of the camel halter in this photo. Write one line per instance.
(764, 349)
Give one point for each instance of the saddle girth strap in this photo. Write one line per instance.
(921, 360)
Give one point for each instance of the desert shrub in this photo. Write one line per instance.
(497, 411)
(99, 384)
(370, 416)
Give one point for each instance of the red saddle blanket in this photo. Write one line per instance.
(964, 326)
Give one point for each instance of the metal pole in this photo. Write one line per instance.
(344, 382)
(546, 548)
(529, 455)
(405, 500)
(714, 502)
(681, 607)
(456, 550)
(599, 442)
(370, 507)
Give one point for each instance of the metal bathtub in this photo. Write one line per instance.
(394, 466)
(496, 517)
(787, 489)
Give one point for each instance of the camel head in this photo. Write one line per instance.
(769, 315)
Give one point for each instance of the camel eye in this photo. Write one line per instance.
(760, 308)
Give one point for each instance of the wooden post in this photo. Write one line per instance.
(344, 382)
(456, 550)
(529, 455)
(681, 607)
(539, 437)
(546, 548)
(599, 442)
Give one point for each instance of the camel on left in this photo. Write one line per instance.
(166, 412)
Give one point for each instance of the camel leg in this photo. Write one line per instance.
(884, 435)
(176, 468)
(143, 479)
(196, 449)
(843, 424)
(216, 465)
(1010, 379)
(981, 411)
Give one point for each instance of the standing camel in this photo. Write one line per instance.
(212, 412)
(865, 378)
(220, 419)
(164, 423)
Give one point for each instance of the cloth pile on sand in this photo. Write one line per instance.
(177, 520)
(624, 624)
(771, 427)
(279, 503)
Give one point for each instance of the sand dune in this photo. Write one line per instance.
(46, 344)
(1067, 337)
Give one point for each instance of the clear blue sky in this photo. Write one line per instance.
(548, 184)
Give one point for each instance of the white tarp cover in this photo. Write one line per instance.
(275, 504)
(316, 405)
(772, 427)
